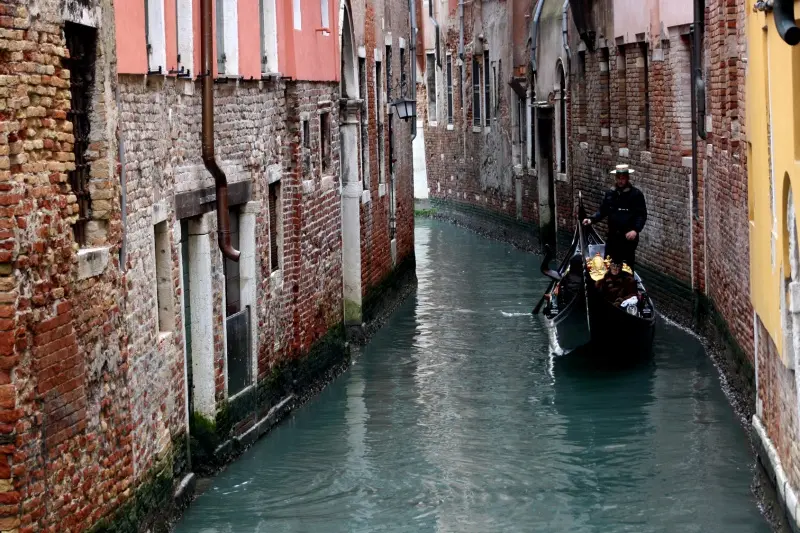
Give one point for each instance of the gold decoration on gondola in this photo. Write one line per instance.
(626, 268)
(597, 267)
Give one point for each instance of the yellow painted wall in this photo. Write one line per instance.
(773, 136)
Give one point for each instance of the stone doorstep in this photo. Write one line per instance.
(787, 497)
(249, 437)
(185, 491)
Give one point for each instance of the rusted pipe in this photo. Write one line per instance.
(210, 161)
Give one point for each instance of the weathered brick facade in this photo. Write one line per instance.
(114, 342)
(470, 161)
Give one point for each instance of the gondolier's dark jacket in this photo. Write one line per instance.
(626, 210)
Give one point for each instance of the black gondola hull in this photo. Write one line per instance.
(569, 329)
(617, 335)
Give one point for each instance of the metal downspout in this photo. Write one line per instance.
(413, 53)
(461, 31)
(535, 34)
(209, 160)
(564, 36)
(123, 250)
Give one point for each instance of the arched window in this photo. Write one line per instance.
(562, 119)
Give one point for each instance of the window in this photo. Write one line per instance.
(388, 73)
(325, 13)
(165, 289)
(237, 321)
(498, 75)
(379, 115)
(562, 117)
(378, 90)
(325, 140)
(298, 20)
(233, 293)
(476, 92)
(269, 36)
(362, 87)
(185, 35)
(81, 42)
(646, 96)
(449, 89)
(494, 90)
(607, 62)
(275, 223)
(430, 79)
(155, 36)
(487, 83)
(221, 58)
(403, 80)
(306, 148)
(460, 88)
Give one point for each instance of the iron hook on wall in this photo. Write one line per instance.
(783, 11)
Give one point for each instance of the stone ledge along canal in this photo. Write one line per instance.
(455, 419)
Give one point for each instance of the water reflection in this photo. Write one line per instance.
(456, 419)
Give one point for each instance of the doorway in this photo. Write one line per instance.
(546, 179)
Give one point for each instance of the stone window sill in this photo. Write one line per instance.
(366, 197)
(92, 262)
(382, 190)
(477, 129)
(450, 127)
(433, 124)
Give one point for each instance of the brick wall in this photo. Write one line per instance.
(467, 164)
(93, 388)
(661, 170)
(66, 448)
(376, 252)
(725, 213)
(777, 399)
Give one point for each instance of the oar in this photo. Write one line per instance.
(539, 305)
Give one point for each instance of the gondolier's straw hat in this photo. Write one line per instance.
(623, 169)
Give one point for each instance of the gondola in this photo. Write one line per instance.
(564, 312)
(612, 333)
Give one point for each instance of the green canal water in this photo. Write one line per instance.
(455, 419)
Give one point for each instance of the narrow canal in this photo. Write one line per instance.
(455, 419)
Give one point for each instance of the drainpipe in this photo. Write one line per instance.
(220, 181)
(412, 5)
(123, 250)
(697, 91)
(564, 36)
(535, 34)
(461, 31)
(436, 29)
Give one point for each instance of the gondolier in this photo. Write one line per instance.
(626, 210)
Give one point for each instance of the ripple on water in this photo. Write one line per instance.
(455, 419)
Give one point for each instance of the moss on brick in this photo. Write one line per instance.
(387, 290)
(149, 504)
(300, 376)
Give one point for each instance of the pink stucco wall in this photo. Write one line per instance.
(249, 39)
(633, 17)
(676, 12)
(309, 53)
(131, 46)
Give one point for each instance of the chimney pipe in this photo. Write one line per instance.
(209, 160)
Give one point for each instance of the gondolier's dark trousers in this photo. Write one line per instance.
(621, 249)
